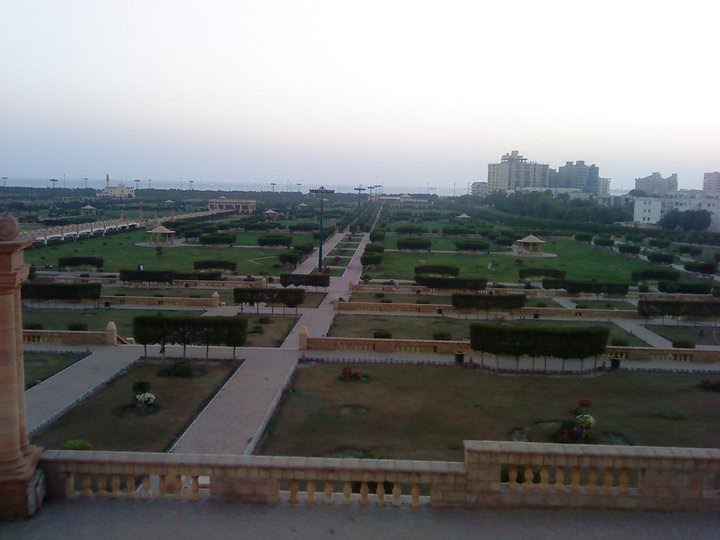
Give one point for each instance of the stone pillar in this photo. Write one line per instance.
(20, 485)
(303, 338)
(215, 299)
(111, 333)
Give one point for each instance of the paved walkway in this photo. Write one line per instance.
(91, 519)
(234, 420)
(648, 336)
(53, 397)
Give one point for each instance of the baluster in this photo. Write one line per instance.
(86, 485)
(162, 487)
(69, 485)
(347, 493)
(364, 490)
(544, 477)
(101, 486)
(130, 486)
(607, 480)
(512, 476)
(624, 481)
(294, 491)
(380, 493)
(575, 478)
(328, 492)
(310, 492)
(560, 477)
(592, 480)
(146, 486)
(195, 487)
(396, 493)
(115, 485)
(415, 496)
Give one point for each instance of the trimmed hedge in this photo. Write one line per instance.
(472, 244)
(603, 241)
(309, 280)
(574, 287)
(451, 282)
(665, 274)
(304, 226)
(677, 308)
(438, 269)
(414, 243)
(372, 258)
(305, 249)
(553, 273)
(275, 239)
(701, 267)
(410, 229)
(629, 249)
(377, 236)
(583, 237)
(215, 265)
(488, 301)
(559, 342)
(290, 257)
(97, 262)
(190, 276)
(456, 230)
(217, 238)
(375, 247)
(689, 287)
(60, 291)
(658, 257)
(152, 276)
(291, 297)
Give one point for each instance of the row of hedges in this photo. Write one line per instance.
(217, 238)
(472, 244)
(64, 262)
(414, 243)
(291, 297)
(301, 280)
(373, 254)
(678, 308)
(701, 267)
(60, 291)
(687, 287)
(558, 342)
(655, 274)
(574, 287)
(275, 239)
(215, 265)
(435, 282)
(488, 302)
(659, 257)
(441, 269)
(553, 273)
(228, 331)
(149, 276)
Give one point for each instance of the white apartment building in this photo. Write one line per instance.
(515, 172)
(651, 209)
(711, 183)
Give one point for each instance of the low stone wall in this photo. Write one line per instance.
(71, 337)
(174, 301)
(494, 474)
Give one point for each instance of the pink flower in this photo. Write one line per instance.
(585, 402)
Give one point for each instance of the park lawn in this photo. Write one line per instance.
(274, 329)
(41, 365)
(342, 252)
(332, 272)
(312, 300)
(96, 319)
(408, 327)
(120, 252)
(425, 412)
(439, 243)
(98, 420)
(226, 295)
(341, 261)
(604, 304)
(581, 262)
(699, 335)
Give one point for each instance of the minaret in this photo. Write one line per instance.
(107, 181)
(21, 486)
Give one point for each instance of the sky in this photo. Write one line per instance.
(407, 93)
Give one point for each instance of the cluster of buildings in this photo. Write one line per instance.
(121, 191)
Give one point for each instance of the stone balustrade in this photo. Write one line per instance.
(260, 283)
(72, 337)
(494, 474)
(175, 301)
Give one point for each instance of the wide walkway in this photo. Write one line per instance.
(234, 420)
(51, 398)
(113, 519)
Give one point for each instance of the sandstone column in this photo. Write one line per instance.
(20, 484)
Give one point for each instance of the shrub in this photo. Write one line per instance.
(525, 273)
(77, 327)
(375, 247)
(215, 265)
(414, 243)
(183, 370)
(438, 269)
(76, 444)
(583, 237)
(442, 336)
(217, 238)
(629, 249)
(472, 244)
(140, 387)
(382, 334)
(603, 241)
(275, 239)
(701, 267)
(410, 229)
(659, 257)
(60, 291)
(377, 236)
(97, 262)
(290, 257)
(689, 287)
(435, 282)
(368, 259)
(683, 344)
(666, 274)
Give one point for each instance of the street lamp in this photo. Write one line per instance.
(149, 183)
(4, 179)
(86, 181)
(54, 181)
(322, 192)
(137, 184)
(298, 186)
(191, 184)
(359, 189)
(273, 184)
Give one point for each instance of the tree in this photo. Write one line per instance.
(689, 220)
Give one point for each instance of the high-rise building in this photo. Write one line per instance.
(656, 184)
(711, 182)
(578, 175)
(516, 172)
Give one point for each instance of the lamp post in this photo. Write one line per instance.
(322, 192)
(137, 184)
(359, 189)
(273, 184)
(4, 179)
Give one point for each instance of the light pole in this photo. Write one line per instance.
(54, 181)
(4, 179)
(298, 186)
(322, 192)
(137, 184)
(86, 181)
(359, 189)
(273, 184)
(149, 183)
(191, 184)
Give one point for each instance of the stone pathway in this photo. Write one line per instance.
(53, 397)
(233, 422)
(635, 328)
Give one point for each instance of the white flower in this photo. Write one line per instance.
(145, 399)
(585, 421)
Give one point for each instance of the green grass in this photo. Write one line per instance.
(333, 272)
(120, 252)
(439, 243)
(98, 419)
(581, 261)
(422, 412)
(699, 335)
(41, 365)
(269, 334)
(404, 327)
(96, 319)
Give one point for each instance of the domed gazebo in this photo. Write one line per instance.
(161, 235)
(531, 245)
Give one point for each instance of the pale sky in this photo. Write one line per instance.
(404, 92)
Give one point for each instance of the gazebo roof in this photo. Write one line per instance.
(269, 211)
(531, 239)
(462, 216)
(88, 207)
(161, 229)
(302, 205)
